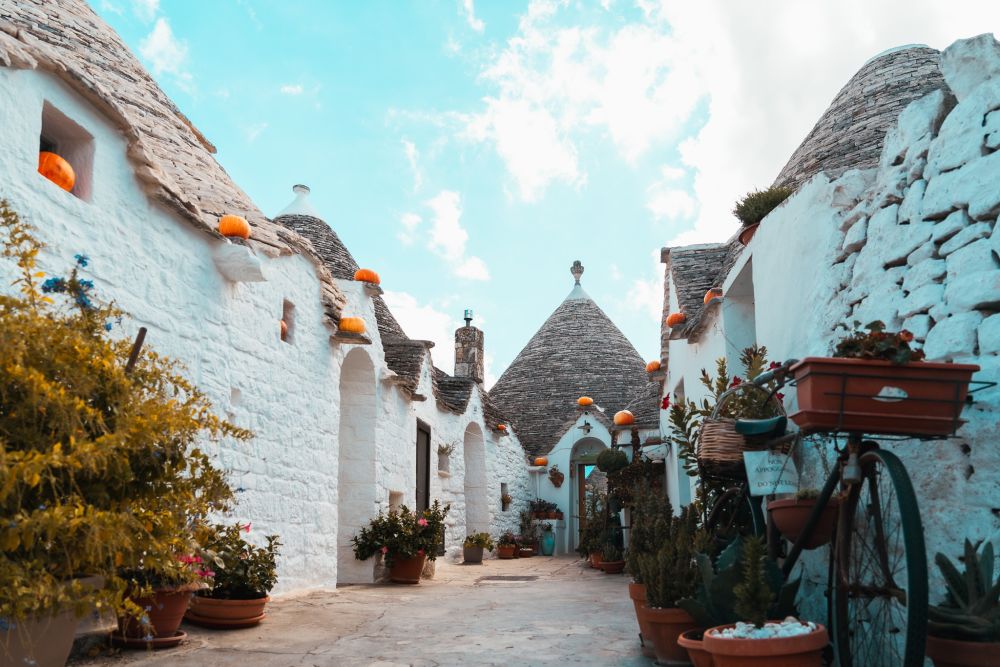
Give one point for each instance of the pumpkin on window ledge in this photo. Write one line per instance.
(233, 226)
(367, 276)
(352, 325)
(56, 169)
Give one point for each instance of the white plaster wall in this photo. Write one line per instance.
(160, 271)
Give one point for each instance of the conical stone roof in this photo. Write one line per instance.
(577, 352)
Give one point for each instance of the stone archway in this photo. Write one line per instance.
(477, 509)
(582, 461)
(356, 493)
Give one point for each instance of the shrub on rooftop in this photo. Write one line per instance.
(755, 206)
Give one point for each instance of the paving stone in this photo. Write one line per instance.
(953, 337)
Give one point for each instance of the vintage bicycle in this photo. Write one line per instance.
(877, 574)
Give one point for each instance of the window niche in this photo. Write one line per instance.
(444, 453)
(287, 322)
(64, 137)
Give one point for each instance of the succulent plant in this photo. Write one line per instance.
(971, 609)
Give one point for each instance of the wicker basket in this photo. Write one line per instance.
(720, 448)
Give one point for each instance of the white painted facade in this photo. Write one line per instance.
(914, 243)
(333, 435)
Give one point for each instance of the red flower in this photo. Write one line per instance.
(420, 552)
(737, 381)
(206, 573)
(905, 336)
(666, 403)
(780, 396)
(774, 364)
(247, 528)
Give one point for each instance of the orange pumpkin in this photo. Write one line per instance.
(585, 401)
(624, 418)
(541, 461)
(57, 170)
(653, 366)
(354, 325)
(367, 276)
(502, 428)
(232, 226)
(673, 319)
(284, 329)
(712, 293)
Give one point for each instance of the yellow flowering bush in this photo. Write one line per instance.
(100, 470)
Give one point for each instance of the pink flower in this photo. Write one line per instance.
(247, 528)
(779, 396)
(774, 364)
(737, 381)
(421, 522)
(420, 552)
(206, 573)
(385, 550)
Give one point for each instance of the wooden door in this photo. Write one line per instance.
(423, 467)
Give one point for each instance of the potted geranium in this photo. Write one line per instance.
(964, 630)
(474, 546)
(877, 383)
(753, 639)
(506, 546)
(755, 206)
(99, 457)
(791, 514)
(243, 576)
(405, 539)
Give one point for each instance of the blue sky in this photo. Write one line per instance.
(470, 151)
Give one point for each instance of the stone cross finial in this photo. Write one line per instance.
(577, 270)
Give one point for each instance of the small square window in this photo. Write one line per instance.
(65, 138)
(288, 322)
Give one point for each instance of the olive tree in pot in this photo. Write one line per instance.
(670, 573)
(474, 546)
(244, 575)
(964, 630)
(100, 472)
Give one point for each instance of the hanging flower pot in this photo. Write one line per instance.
(790, 516)
(407, 569)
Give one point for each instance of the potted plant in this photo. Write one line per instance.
(612, 559)
(790, 516)
(648, 507)
(755, 206)
(100, 457)
(964, 630)
(594, 520)
(529, 534)
(876, 383)
(556, 477)
(548, 540)
(474, 546)
(670, 572)
(752, 639)
(405, 539)
(244, 575)
(505, 500)
(506, 546)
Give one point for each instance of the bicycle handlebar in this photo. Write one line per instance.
(776, 374)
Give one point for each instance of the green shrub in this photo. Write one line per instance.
(402, 534)
(971, 609)
(479, 540)
(242, 571)
(670, 571)
(755, 205)
(611, 461)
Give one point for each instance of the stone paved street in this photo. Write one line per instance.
(569, 614)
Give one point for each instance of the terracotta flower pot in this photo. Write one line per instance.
(870, 396)
(747, 233)
(506, 553)
(45, 642)
(957, 653)
(790, 516)
(691, 641)
(800, 651)
(665, 626)
(637, 592)
(216, 612)
(472, 554)
(613, 567)
(407, 570)
(559, 516)
(595, 560)
(526, 552)
(165, 609)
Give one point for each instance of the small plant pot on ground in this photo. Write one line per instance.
(226, 614)
(957, 653)
(613, 567)
(637, 592)
(506, 553)
(797, 651)
(45, 642)
(526, 552)
(790, 516)
(165, 608)
(472, 555)
(665, 626)
(595, 560)
(407, 570)
(746, 234)
(548, 543)
(691, 641)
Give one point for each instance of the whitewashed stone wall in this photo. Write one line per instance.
(160, 271)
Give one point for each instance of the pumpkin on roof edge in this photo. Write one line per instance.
(653, 366)
(712, 293)
(624, 418)
(233, 226)
(367, 276)
(585, 401)
(673, 319)
(353, 325)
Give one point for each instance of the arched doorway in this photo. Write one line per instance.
(582, 468)
(356, 497)
(477, 510)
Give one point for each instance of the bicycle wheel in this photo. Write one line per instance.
(734, 514)
(880, 575)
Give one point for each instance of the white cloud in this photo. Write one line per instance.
(469, 9)
(108, 6)
(254, 131)
(646, 295)
(616, 273)
(412, 157)
(410, 221)
(146, 10)
(291, 89)
(448, 237)
(165, 53)
(425, 322)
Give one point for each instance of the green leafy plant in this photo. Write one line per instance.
(529, 529)
(715, 601)
(611, 460)
(649, 506)
(592, 536)
(242, 571)
(101, 470)
(877, 343)
(402, 534)
(670, 569)
(971, 608)
(611, 553)
(507, 540)
(754, 206)
(483, 540)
